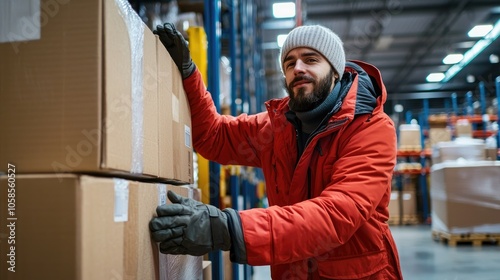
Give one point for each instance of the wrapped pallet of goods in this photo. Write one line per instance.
(465, 201)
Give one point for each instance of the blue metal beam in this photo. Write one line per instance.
(454, 103)
(470, 108)
(243, 26)
(212, 19)
(232, 54)
(482, 98)
(497, 87)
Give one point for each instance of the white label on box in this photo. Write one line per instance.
(187, 136)
(394, 195)
(162, 194)
(175, 108)
(406, 196)
(121, 200)
(21, 20)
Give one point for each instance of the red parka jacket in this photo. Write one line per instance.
(341, 232)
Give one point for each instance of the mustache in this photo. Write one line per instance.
(300, 79)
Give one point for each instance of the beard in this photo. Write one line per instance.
(301, 101)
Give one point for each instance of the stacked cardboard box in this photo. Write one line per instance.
(464, 197)
(96, 93)
(439, 130)
(409, 137)
(403, 203)
(92, 92)
(84, 227)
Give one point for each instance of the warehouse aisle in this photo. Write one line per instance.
(424, 258)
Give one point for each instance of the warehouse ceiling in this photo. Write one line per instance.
(406, 40)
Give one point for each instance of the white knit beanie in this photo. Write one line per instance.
(318, 38)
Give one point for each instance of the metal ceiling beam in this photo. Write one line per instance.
(419, 95)
(316, 11)
(433, 34)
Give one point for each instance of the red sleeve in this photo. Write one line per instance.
(221, 138)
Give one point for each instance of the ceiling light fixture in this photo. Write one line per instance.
(473, 52)
(470, 79)
(453, 58)
(284, 10)
(494, 58)
(480, 30)
(435, 77)
(398, 108)
(281, 39)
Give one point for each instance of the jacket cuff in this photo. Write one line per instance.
(238, 252)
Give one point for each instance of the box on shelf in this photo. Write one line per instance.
(463, 128)
(437, 135)
(409, 137)
(408, 200)
(464, 197)
(394, 210)
(88, 101)
(438, 120)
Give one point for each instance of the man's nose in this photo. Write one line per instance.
(300, 67)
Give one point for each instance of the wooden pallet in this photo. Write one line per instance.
(477, 239)
(405, 220)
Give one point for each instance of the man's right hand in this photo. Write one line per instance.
(177, 46)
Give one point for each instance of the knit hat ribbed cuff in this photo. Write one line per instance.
(320, 39)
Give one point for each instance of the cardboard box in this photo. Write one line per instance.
(207, 270)
(437, 135)
(67, 227)
(84, 227)
(140, 250)
(144, 260)
(227, 265)
(409, 203)
(408, 200)
(409, 137)
(165, 128)
(84, 96)
(438, 120)
(180, 266)
(463, 128)
(182, 139)
(394, 209)
(175, 127)
(464, 197)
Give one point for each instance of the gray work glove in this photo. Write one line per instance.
(177, 46)
(190, 227)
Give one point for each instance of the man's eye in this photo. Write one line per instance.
(291, 64)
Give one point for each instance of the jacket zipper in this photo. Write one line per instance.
(327, 127)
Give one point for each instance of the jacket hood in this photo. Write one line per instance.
(363, 92)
